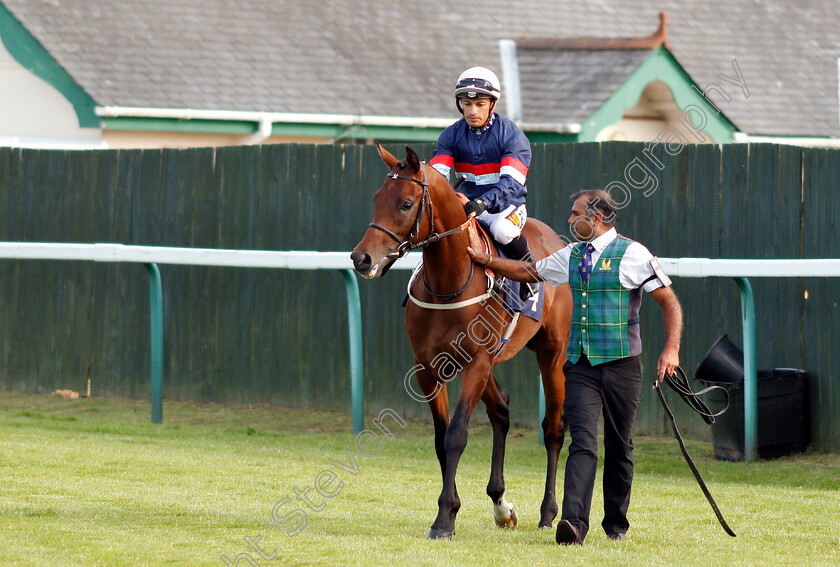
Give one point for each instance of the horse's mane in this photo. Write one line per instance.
(401, 165)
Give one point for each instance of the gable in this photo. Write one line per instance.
(31, 55)
(660, 66)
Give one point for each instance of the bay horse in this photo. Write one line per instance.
(416, 207)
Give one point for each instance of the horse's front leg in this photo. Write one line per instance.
(496, 400)
(434, 391)
(473, 382)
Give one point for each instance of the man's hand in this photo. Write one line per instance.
(480, 258)
(668, 362)
(476, 206)
(518, 270)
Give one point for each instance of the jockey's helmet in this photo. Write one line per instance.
(478, 82)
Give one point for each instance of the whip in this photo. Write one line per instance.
(678, 382)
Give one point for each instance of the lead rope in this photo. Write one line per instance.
(678, 382)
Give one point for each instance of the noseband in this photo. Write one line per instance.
(405, 244)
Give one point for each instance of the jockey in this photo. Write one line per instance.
(494, 155)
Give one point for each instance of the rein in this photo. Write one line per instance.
(405, 244)
(679, 384)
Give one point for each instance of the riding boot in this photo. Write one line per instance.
(527, 290)
(517, 249)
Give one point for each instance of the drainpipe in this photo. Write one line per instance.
(263, 132)
(510, 76)
(343, 134)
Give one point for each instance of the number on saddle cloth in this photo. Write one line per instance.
(533, 307)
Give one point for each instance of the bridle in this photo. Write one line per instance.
(405, 244)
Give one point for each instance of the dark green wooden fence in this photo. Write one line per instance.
(279, 336)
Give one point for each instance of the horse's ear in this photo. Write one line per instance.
(412, 160)
(386, 156)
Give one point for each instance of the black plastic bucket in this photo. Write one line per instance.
(784, 417)
(723, 363)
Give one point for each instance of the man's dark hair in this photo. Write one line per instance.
(598, 201)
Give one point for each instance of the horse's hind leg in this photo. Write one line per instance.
(551, 355)
(553, 431)
(496, 400)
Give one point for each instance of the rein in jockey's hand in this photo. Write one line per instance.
(476, 206)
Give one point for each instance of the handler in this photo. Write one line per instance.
(604, 369)
(494, 155)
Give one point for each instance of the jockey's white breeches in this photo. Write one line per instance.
(506, 225)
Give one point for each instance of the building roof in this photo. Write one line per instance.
(401, 58)
(566, 86)
(566, 79)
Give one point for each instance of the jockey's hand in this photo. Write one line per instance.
(476, 206)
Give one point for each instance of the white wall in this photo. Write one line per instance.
(34, 113)
(655, 110)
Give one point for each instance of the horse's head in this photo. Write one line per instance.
(398, 208)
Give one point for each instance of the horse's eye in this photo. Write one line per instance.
(406, 206)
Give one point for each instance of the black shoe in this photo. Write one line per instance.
(567, 534)
(518, 249)
(527, 291)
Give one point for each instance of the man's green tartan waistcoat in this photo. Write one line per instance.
(601, 307)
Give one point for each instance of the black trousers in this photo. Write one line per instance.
(614, 387)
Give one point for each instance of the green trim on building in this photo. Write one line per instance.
(29, 52)
(386, 133)
(659, 66)
(332, 131)
(134, 124)
(550, 137)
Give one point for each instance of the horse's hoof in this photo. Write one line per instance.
(439, 534)
(547, 526)
(511, 520)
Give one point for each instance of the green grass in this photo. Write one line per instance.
(92, 482)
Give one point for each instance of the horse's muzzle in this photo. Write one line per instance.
(361, 261)
(365, 266)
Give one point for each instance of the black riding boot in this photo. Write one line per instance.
(517, 249)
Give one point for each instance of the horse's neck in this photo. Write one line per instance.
(446, 264)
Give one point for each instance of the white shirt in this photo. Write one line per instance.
(634, 268)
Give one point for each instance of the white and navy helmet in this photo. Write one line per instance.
(478, 82)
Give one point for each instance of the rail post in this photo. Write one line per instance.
(354, 322)
(156, 336)
(750, 372)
